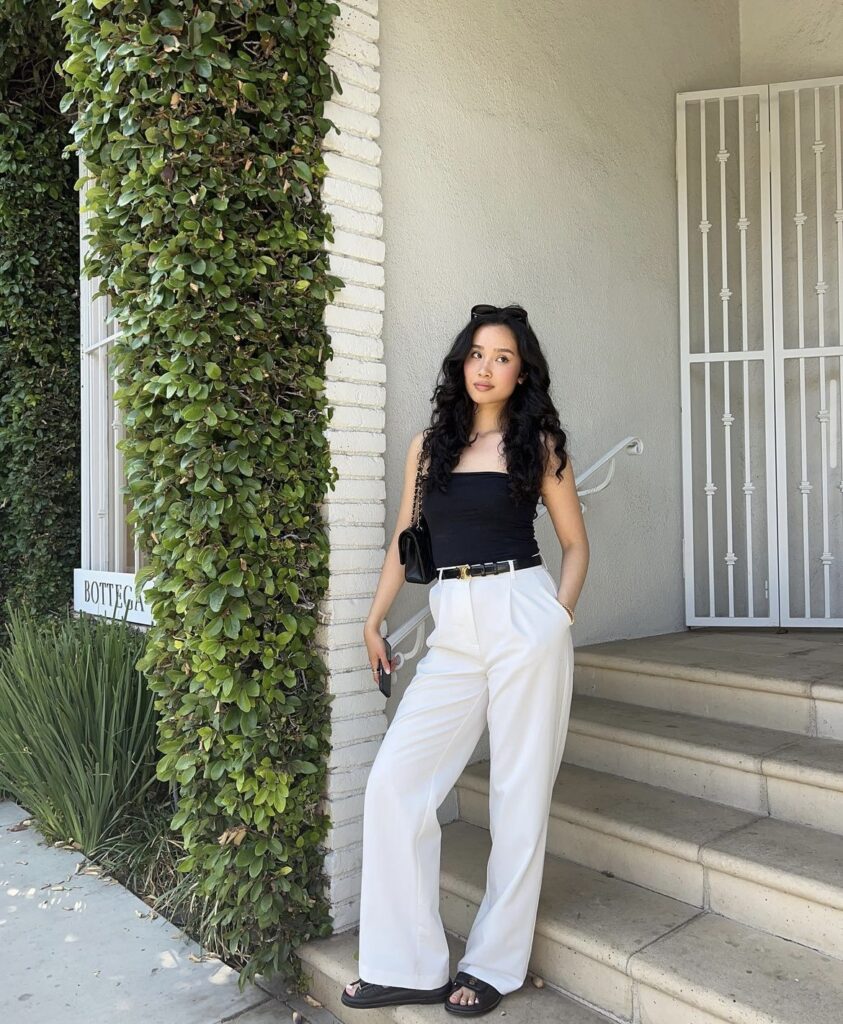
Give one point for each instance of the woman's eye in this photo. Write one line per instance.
(505, 358)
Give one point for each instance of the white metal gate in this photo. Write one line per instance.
(760, 188)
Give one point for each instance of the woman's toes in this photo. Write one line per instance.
(463, 996)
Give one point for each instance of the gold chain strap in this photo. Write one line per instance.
(417, 490)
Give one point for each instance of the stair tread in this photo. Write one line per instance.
(335, 958)
(742, 973)
(821, 759)
(701, 957)
(789, 664)
(630, 808)
(694, 828)
(601, 915)
(769, 846)
(784, 754)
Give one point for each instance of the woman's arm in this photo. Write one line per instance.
(392, 574)
(563, 505)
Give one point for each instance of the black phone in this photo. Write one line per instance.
(384, 677)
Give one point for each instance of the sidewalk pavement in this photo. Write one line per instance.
(78, 948)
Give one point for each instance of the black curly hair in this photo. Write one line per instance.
(529, 412)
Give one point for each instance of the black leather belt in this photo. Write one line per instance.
(489, 568)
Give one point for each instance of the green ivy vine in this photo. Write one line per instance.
(201, 127)
(39, 318)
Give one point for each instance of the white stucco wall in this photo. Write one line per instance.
(786, 41)
(528, 155)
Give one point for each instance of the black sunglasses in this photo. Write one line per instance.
(484, 309)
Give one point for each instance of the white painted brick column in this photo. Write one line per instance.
(355, 387)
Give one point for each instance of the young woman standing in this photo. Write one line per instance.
(500, 655)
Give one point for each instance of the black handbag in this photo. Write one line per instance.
(414, 547)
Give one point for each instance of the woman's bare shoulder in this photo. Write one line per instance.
(416, 442)
(414, 448)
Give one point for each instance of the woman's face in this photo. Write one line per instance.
(492, 360)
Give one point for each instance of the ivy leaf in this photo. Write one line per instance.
(303, 170)
(193, 412)
(205, 20)
(170, 18)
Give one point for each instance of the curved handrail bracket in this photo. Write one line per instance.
(631, 445)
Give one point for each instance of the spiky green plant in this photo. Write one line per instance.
(77, 723)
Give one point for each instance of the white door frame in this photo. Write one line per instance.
(719, 579)
(830, 413)
(740, 357)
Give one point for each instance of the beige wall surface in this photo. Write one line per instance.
(790, 40)
(528, 155)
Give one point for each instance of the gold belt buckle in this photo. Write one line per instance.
(464, 573)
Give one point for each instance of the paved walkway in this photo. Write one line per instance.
(80, 949)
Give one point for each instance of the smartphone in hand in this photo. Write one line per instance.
(384, 677)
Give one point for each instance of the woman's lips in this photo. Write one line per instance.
(483, 387)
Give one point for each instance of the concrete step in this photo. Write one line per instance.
(332, 964)
(764, 771)
(783, 878)
(620, 946)
(790, 682)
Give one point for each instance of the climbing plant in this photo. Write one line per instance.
(201, 128)
(39, 317)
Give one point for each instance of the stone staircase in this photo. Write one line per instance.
(694, 865)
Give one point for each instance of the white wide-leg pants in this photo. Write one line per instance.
(500, 653)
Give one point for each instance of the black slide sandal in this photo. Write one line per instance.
(370, 995)
(488, 996)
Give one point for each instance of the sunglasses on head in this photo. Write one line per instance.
(484, 309)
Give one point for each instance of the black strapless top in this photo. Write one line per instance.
(476, 520)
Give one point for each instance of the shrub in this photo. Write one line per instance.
(39, 317)
(77, 724)
(201, 126)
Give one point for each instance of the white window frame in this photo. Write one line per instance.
(104, 582)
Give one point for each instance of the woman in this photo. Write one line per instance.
(500, 654)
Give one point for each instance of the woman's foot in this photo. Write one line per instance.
(461, 995)
(368, 994)
(471, 996)
(464, 996)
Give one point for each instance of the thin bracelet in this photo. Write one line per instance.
(568, 610)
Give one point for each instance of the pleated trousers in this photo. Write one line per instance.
(500, 654)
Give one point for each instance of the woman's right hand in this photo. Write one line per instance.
(392, 574)
(377, 651)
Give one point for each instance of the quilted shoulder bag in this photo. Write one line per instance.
(414, 547)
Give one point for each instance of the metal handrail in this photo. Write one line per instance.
(631, 445)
